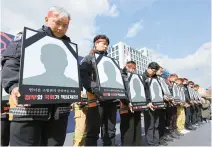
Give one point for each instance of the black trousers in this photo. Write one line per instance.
(5, 132)
(168, 117)
(171, 117)
(162, 122)
(37, 133)
(199, 114)
(193, 114)
(130, 128)
(188, 117)
(151, 119)
(174, 118)
(104, 117)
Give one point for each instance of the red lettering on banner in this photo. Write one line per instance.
(51, 97)
(47, 97)
(113, 94)
(33, 97)
(106, 94)
(6, 108)
(27, 97)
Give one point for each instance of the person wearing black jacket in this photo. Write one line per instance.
(193, 106)
(130, 125)
(162, 113)
(5, 123)
(173, 110)
(31, 122)
(151, 116)
(103, 116)
(198, 105)
(188, 125)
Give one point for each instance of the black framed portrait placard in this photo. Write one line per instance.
(191, 93)
(49, 71)
(156, 93)
(137, 91)
(176, 93)
(182, 94)
(109, 79)
(196, 95)
(165, 87)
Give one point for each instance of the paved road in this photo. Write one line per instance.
(200, 137)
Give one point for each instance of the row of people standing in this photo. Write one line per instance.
(161, 125)
(46, 124)
(181, 118)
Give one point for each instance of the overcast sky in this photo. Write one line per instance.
(177, 31)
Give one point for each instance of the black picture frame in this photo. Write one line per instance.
(176, 96)
(41, 94)
(109, 93)
(165, 87)
(191, 93)
(196, 95)
(182, 95)
(137, 105)
(159, 104)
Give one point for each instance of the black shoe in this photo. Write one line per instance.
(188, 128)
(172, 135)
(163, 142)
(193, 128)
(200, 123)
(178, 133)
(167, 138)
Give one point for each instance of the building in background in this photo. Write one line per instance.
(147, 53)
(123, 53)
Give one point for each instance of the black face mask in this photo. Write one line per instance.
(101, 52)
